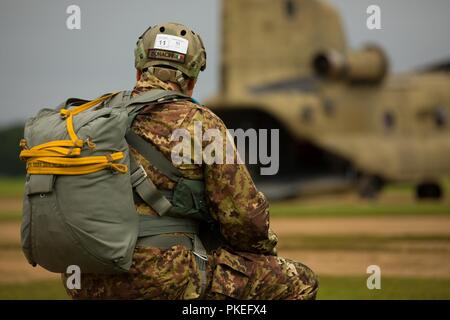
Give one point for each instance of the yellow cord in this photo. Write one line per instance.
(61, 157)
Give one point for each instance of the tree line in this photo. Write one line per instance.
(10, 137)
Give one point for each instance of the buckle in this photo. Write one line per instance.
(201, 256)
(138, 176)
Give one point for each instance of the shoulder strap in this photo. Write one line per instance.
(136, 104)
(147, 190)
(153, 155)
(141, 184)
(71, 102)
(147, 150)
(155, 95)
(114, 99)
(118, 99)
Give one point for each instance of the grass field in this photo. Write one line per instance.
(342, 288)
(339, 250)
(38, 290)
(331, 288)
(365, 243)
(395, 201)
(11, 187)
(358, 209)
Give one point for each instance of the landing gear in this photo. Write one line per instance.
(428, 190)
(369, 186)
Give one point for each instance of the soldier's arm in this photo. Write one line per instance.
(240, 209)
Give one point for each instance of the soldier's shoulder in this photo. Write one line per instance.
(185, 112)
(208, 115)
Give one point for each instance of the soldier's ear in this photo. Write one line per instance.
(138, 75)
(191, 84)
(190, 87)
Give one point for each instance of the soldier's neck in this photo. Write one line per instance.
(149, 82)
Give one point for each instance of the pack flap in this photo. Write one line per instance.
(154, 95)
(40, 183)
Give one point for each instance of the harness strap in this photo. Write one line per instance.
(136, 104)
(147, 190)
(144, 187)
(154, 231)
(165, 241)
(152, 225)
(163, 231)
(201, 258)
(155, 157)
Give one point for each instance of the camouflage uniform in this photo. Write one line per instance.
(246, 268)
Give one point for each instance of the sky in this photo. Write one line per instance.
(43, 63)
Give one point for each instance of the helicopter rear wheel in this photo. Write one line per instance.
(428, 190)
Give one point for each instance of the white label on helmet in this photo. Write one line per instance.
(171, 43)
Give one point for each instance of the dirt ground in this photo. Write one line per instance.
(10, 204)
(407, 259)
(396, 264)
(372, 225)
(402, 259)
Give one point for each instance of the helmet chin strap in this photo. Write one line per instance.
(169, 75)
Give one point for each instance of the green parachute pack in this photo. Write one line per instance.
(82, 180)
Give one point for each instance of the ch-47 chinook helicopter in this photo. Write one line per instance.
(344, 121)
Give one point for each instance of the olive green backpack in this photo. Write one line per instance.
(81, 182)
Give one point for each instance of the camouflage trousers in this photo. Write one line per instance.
(173, 274)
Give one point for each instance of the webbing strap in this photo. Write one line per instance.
(136, 104)
(151, 226)
(153, 96)
(147, 190)
(153, 155)
(165, 241)
(201, 258)
(155, 230)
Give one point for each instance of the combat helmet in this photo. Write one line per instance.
(171, 52)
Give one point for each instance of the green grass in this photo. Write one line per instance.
(11, 187)
(310, 211)
(343, 288)
(362, 242)
(10, 216)
(324, 211)
(366, 208)
(50, 289)
(340, 288)
(359, 209)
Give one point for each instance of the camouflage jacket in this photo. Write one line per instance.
(241, 211)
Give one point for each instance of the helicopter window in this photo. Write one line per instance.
(388, 120)
(440, 117)
(290, 8)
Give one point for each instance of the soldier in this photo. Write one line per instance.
(245, 265)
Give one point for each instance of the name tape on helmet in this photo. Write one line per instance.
(171, 43)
